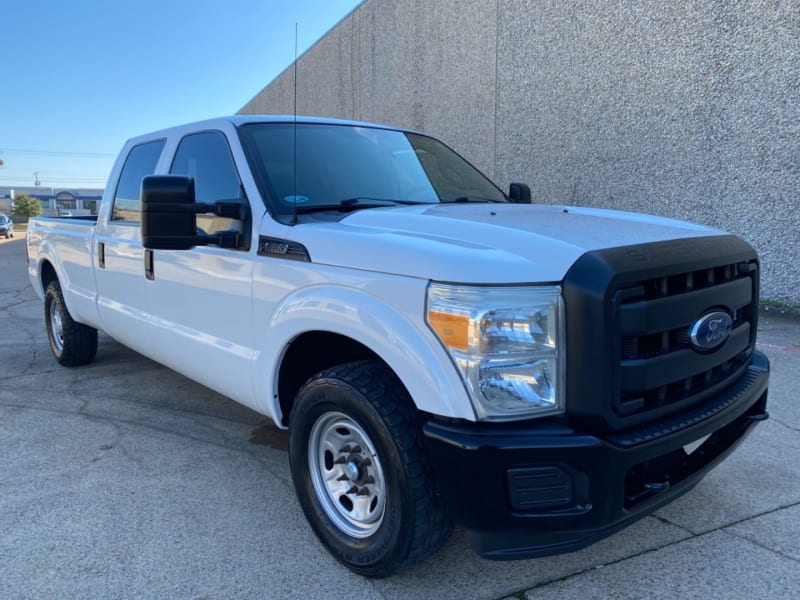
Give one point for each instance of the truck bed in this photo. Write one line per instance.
(74, 238)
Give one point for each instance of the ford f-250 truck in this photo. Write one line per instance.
(439, 351)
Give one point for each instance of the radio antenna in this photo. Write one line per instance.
(294, 144)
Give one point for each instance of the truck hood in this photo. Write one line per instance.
(481, 243)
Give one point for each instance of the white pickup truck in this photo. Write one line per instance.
(440, 352)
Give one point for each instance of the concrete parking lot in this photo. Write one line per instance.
(123, 479)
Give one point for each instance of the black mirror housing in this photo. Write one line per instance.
(169, 216)
(169, 220)
(519, 193)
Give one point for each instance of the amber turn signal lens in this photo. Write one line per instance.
(453, 330)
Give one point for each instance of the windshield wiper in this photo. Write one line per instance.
(351, 204)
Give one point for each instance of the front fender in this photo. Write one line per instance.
(396, 332)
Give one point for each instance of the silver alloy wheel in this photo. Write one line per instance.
(56, 326)
(347, 475)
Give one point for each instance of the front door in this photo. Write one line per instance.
(201, 299)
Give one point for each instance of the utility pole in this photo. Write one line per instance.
(36, 181)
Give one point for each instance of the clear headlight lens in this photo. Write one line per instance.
(507, 342)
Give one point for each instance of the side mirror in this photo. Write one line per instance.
(519, 193)
(168, 221)
(169, 215)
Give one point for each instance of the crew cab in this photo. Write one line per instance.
(440, 351)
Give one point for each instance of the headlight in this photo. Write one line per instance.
(508, 344)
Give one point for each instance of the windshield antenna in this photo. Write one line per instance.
(294, 145)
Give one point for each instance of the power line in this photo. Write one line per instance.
(58, 152)
(44, 180)
(63, 177)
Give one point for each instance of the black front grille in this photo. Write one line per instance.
(658, 366)
(630, 311)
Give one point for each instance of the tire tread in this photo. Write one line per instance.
(80, 341)
(386, 393)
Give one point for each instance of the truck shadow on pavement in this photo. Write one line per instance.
(271, 436)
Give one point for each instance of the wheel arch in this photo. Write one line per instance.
(329, 326)
(45, 267)
(47, 274)
(308, 354)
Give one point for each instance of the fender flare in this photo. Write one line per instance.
(406, 345)
(80, 302)
(46, 255)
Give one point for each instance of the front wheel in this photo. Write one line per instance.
(361, 472)
(72, 343)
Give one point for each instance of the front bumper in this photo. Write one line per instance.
(535, 489)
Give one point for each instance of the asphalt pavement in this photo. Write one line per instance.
(123, 479)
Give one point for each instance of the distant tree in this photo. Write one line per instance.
(25, 206)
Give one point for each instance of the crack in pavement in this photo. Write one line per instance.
(666, 521)
(787, 426)
(692, 536)
(760, 545)
(241, 448)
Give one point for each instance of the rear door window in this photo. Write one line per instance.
(141, 161)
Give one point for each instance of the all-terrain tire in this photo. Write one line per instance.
(72, 343)
(361, 471)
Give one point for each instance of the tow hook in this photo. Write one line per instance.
(649, 489)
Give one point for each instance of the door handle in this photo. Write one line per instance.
(148, 264)
(101, 254)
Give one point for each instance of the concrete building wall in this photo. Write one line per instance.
(429, 66)
(684, 109)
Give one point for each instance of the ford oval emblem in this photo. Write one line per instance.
(711, 330)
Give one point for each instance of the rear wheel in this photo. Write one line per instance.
(361, 472)
(72, 343)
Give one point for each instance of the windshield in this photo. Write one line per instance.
(349, 166)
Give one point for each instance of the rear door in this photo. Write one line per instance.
(119, 257)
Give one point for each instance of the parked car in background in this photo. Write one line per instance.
(6, 226)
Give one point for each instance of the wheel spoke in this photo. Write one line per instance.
(361, 509)
(351, 491)
(56, 326)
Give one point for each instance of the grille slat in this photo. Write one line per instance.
(642, 374)
(659, 313)
(658, 368)
(635, 306)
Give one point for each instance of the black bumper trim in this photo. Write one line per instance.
(755, 377)
(615, 480)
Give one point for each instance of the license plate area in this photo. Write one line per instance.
(691, 447)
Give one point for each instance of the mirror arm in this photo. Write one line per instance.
(231, 210)
(223, 239)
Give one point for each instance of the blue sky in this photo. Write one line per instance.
(79, 77)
